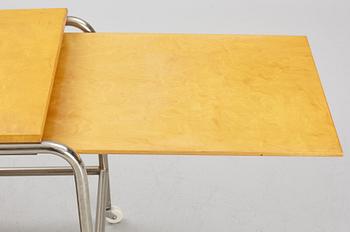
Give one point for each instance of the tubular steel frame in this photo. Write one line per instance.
(76, 167)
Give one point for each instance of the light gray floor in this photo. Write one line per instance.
(177, 193)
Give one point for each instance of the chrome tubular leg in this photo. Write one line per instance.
(113, 213)
(101, 195)
(80, 174)
(81, 184)
(109, 199)
(80, 24)
(87, 28)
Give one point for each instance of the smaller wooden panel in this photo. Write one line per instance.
(30, 43)
(190, 94)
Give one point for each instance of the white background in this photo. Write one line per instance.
(185, 193)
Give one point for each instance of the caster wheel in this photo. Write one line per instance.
(114, 215)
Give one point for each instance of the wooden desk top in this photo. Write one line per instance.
(190, 94)
(29, 48)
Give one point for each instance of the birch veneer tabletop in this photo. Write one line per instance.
(29, 49)
(190, 94)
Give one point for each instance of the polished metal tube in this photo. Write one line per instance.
(109, 200)
(80, 24)
(83, 191)
(101, 194)
(80, 174)
(45, 171)
(81, 184)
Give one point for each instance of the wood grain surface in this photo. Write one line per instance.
(29, 48)
(190, 94)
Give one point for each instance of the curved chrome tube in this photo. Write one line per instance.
(81, 181)
(80, 174)
(80, 24)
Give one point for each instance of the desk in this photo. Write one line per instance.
(151, 94)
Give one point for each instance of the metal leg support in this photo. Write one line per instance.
(109, 199)
(79, 171)
(101, 195)
(105, 210)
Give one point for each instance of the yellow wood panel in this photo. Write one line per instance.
(190, 94)
(29, 48)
